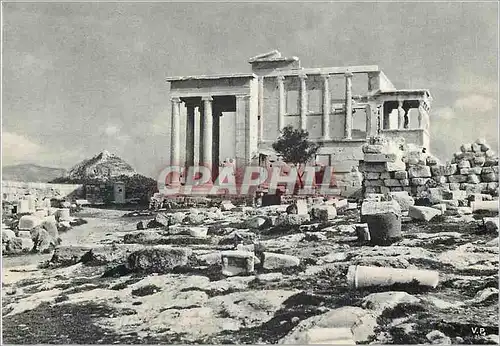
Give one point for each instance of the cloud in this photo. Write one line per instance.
(17, 148)
(476, 102)
(445, 113)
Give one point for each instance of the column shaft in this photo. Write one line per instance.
(190, 124)
(207, 132)
(348, 106)
(326, 108)
(303, 102)
(260, 116)
(282, 102)
(175, 132)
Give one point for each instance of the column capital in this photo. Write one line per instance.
(302, 76)
(400, 103)
(175, 99)
(242, 97)
(348, 74)
(280, 78)
(325, 76)
(206, 98)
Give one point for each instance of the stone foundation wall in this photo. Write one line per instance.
(389, 166)
(14, 190)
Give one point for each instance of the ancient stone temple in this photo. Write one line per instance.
(239, 116)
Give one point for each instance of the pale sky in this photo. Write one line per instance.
(79, 78)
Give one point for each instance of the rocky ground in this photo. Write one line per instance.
(91, 291)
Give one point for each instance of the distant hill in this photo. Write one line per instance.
(109, 168)
(31, 173)
(100, 168)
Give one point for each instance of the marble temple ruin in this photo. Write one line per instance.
(240, 115)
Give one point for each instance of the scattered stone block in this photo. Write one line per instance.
(457, 178)
(423, 213)
(363, 232)
(463, 164)
(489, 177)
(364, 276)
(372, 176)
(28, 222)
(43, 241)
(473, 179)
(454, 186)
(401, 175)
(50, 225)
(419, 171)
(476, 148)
(404, 182)
(273, 261)
(438, 337)
(440, 179)
(372, 149)
(109, 254)
(383, 219)
(395, 166)
(158, 259)
(7, 235)
(392, 182)
(403, 198)
(378, 183)
(479, 160)
(440, 206)
(24, 234)
(63, 214)
(197, 232)
(455, 194)
(237, 262)
(465, 171)
(491, 224)
(432, 160)
(141, 225)
(15, 246)
(392, 157)
(226, 205)
(324, 212)
(69, 255)
(464, 210)
(301, 207)
(292, 219)
(419, 181)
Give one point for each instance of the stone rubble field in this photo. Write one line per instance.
(236, 274)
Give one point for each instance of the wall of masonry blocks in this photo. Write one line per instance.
(393, 165)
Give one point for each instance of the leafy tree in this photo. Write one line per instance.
(295, 147)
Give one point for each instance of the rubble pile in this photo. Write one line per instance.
(316, 270)
(35, 227)
(393, 166)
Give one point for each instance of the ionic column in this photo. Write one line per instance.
(190, 135)
(260, 116)
(175, 132)
(370, 112)
(282, 102)
(348, 106)
(207, 131)
(175, 138)
(303, 102)
(326, 107)
(401, 115)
